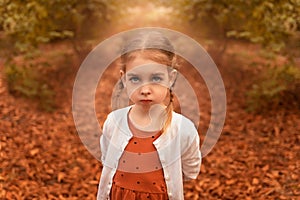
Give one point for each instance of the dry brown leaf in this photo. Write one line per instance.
(60, 176)
(266, 168)
(255, 181)
(230, 181)
(35, 151)
(94, 182)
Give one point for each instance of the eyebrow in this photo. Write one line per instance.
(158, 74)
(131, 74)
(154, 74)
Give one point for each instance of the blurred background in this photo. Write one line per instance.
(255, 44)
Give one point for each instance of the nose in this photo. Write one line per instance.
(145, 90)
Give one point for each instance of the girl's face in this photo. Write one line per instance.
(146, 82)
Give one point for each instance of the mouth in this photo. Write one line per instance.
(145, 101)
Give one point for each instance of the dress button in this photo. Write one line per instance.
(167, 177)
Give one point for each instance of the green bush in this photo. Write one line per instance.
(275, 24)
(25, 24)
(29, 23)
(271, 23)
(25, 81)
(278, 87)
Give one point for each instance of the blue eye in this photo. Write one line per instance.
(156, 79)
(134, 79)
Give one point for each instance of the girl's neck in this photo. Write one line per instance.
(151, 119)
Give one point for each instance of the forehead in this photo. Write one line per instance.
(142, 65)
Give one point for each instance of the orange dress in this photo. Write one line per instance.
(139, 174)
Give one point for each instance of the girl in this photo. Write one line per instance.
(147, 148)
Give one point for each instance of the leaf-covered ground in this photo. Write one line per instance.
(42, 157)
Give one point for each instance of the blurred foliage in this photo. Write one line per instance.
(271, 23)
(25, 24)
(25, 80)
(274, 24)
(278, 87)
(28, 23)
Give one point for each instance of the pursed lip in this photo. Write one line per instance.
(146, 101)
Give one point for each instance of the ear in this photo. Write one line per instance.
(122, 75)
(173, 77)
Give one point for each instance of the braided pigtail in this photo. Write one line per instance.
(169, 110)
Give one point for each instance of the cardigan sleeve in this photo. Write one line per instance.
(191, 158)
(104, 139)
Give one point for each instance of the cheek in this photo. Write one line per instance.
(163, 92)
(132, 92)
(131, 89)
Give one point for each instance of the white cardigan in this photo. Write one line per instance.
(178, 150)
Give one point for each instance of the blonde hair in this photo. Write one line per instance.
(156, 47)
